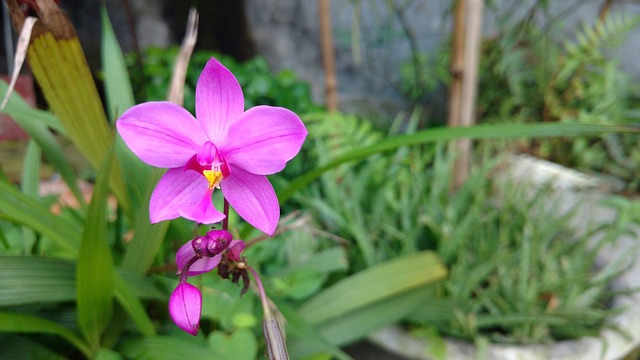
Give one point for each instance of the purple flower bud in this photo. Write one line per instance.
(213, 243)
(185, 307)
(206, 249)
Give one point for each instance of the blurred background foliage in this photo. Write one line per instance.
(373, 235)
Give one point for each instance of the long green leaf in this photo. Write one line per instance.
(31, 187)
(133, 306)
(141, 178)
(118, 92)
(37, 280)
(374, 284)
(59, 66)
(29, 280)
(35, 123)
(22, 209)
(119, 98)
(95, 270)
(147, 238)
(21, 323)
(357, 324)
(488, 131)
(17, 107)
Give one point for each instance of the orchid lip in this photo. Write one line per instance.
(210, 163)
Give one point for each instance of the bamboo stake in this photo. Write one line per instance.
(328, 57)
(455, 70)
(468, 87)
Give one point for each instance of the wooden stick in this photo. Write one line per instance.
(328, 57)
(455, 70)
(469, 85)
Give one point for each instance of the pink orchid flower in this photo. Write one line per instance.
(223, 147)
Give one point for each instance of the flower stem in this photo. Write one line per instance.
(225, 222)
(272, 327)
(184, 272)
(263, 295)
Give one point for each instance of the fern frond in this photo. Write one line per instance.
(606, 32)
(338, 133)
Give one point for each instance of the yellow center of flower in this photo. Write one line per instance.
(214, 177)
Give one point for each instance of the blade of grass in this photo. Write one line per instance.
(22, 323)
(486, 131)
(95, 270)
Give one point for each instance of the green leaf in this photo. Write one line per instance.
(133, 306)
(30, 186)
(35, 123)
(22, 209)
(28, 280)
(23, 113)
(21, 323)
(305, 338)
(95, 270)
(15, 347)
(372, 298)
(359, 322)
(166, 347)
(107, 354)
(118, 92)
(485, 131)
(147, 238)
(37, 280)
(240, 345)
(376, 283)
(59, 66)
(31, 170)
(119, 98)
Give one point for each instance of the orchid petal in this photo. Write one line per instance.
(203, 212)
(184, 254)
(177, 189)
(235, 248)
(253, 198)
(185, 308)
(203, 265)
(162, 134)
(219, 100)
(264, 139)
